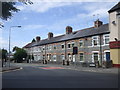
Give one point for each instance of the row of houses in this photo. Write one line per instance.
(86, 45)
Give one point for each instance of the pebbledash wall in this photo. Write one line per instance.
(92, 44)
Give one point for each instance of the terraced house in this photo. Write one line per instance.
(86, 45)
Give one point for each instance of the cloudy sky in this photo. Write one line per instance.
(52, 16)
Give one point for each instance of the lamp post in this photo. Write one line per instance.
(10, 40)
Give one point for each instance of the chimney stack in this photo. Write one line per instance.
(50, 35)
(38, 38)
(68, 29)
(98, 23)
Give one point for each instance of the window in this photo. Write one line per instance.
(62, 46)
(81, 43)
(63, 57)
(54, 46)
(54, 57)
(106, 39)
(50, 47)
(81, 56)
(95, 56)
(73, 44)
(95, 40)
(43, 48)
(69, 46)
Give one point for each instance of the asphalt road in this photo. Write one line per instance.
(36, 77)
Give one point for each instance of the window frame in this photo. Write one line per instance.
(82, 43)
(82, 56)
(70, 45)
(104, 39)
(95, 39)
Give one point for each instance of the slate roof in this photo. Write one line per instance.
(116, 7)
(103, 29)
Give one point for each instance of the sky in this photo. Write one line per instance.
(45, 16)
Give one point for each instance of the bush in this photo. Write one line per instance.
(19, 55)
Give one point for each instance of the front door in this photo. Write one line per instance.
(107, 56)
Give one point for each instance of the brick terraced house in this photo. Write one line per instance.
(87, 45)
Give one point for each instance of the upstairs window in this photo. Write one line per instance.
(55, 46)
(73, 44)
(69, 46)
(50, 47)
(95, 41)
(106, 39)
(81, 43)
(62, 46)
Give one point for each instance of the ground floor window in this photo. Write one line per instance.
(54, 57)
(43, 57)
(63, 57)
(95, 56)
(69, 57)
(73, 58)
(81, 56)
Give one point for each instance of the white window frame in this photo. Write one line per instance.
(105, 54)
(83, 57)
(93, 55)
(70, 45)
(43, 48)
(64, 46)
(105, 38)
(82, 43)
(62, 56)
(94, 39)
(50, 47)
(54, 56)
(54, 46)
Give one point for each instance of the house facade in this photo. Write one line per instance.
(87, 45)
(92, 44)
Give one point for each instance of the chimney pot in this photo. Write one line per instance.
(68, 29)
(98, 23)
(50, 35)
(38, 38)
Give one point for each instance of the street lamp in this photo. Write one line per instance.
(10, 38)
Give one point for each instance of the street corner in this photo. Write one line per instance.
(9, 69)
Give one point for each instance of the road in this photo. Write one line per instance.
(33, 76)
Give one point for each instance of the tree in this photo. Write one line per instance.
(33, 40)
(15, 48)
(19, 55)
(9, 7)
(4, 55)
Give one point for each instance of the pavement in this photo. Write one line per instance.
(88, 69)
(74, 67)
(7, 68)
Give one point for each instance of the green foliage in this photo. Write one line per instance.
(4, 54)
(33, 40)
(15, 48)
(8, 8)
(19, 55)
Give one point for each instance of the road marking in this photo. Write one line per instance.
(12, 70)
(52, 68)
